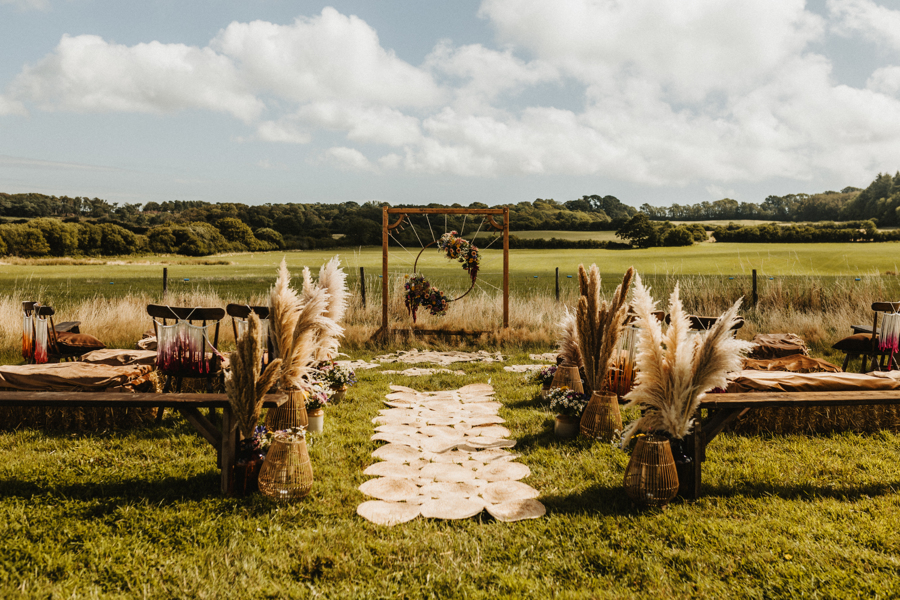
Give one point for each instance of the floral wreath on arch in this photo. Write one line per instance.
(420, 292)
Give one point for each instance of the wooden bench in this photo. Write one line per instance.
(724, 409)
(224, 439)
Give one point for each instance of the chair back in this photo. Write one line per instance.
(242, 312)
(879, 308)
(203, 316)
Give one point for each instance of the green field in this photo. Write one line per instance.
(248, 274)
(546, 234)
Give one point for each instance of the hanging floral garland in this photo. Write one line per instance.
(457, 248)
(419, 292)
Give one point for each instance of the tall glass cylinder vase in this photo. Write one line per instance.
(290, 414)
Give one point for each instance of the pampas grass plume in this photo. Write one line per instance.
(245, 386)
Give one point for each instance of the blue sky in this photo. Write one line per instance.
(407, 101)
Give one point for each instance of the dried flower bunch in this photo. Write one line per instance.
(319, 396)
(245, 385)
(566, 401)
(302, 328)
(569, 349)
(675, 369)
(599, 324)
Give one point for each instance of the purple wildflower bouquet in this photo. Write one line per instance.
(545, 375)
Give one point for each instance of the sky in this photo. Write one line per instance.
(412, 101)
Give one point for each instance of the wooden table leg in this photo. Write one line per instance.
(229, 448)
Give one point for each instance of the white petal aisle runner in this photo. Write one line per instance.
(446, 457)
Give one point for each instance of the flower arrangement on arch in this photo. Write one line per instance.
(420, 292)
(459, 249)
(544, 376)
(566, 401)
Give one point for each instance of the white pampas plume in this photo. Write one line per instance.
(676, 369)
(283, 311)
(308, 286)
(245, 386)
(311, 320)
(333, 280)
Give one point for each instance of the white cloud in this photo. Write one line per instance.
(11, 107)
(328, 57)
(348, 159)
(864, 17)
(285, 131)
(28, 4)
(693, 47)
(485, 74)
(369, 124)
(87, 74)
(885, 80)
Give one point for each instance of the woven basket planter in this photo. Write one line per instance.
(651, 478)
(290, 414)
(286, 474)
(568, 377)
(601, 418)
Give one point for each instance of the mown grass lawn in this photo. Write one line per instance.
(135, 514)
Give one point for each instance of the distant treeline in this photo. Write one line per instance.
(880, 202)
(853, 231)
(39, 225)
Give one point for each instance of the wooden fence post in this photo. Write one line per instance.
(557, 284)
(165, 281)
(362, 285)
(755, 295)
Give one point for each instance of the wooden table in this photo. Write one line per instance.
(224, 438)
(723, 409)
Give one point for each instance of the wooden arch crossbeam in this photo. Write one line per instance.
(402, 213)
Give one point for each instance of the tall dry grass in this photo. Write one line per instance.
(820, 310)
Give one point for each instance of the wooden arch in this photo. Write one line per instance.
(387, 227)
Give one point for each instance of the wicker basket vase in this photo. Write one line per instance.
(601, 418)
(290, 414)
(651, 478)
(569, 377)
(286, 473)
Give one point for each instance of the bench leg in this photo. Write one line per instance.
(690, 487)
(228, 453)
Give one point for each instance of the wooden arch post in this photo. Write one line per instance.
(387, 227)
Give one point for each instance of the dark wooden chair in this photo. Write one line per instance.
(170, 315)
(240, 312)
(865, 345)
(65, 342)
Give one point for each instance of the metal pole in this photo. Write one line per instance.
(557, 284)
(362, 285)
(755, 295)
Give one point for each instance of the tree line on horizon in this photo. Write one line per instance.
(40, 225)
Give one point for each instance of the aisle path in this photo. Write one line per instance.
(447, 457)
